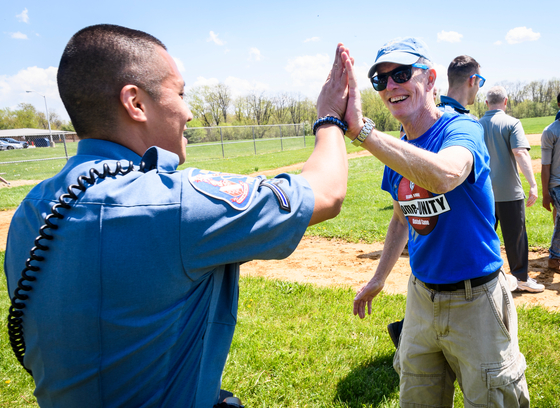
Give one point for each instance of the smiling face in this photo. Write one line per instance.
(170, 114)
(409, 98)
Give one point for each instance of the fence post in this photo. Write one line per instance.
(303, 132)
(281, 142)
(65, 149)
(254, 142)
(222, 139)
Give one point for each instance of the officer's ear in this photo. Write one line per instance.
(134, 99)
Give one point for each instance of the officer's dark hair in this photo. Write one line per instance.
(96, 64)
(460, 69)
(558, 98)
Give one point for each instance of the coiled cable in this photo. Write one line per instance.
(15, 314)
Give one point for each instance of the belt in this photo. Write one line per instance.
(450, 287)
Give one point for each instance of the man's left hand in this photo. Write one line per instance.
(533, 195)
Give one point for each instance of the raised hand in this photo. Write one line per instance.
(334, 94)
(353, 115)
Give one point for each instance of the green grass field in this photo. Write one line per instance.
(533, 126)
(299, 345)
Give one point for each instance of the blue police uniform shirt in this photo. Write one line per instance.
(557, 115)
(136, 301)
(451, 235)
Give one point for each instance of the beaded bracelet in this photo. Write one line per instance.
(330, 119)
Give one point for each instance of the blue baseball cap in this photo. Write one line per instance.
(405, 51)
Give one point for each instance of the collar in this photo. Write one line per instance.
(494, 112)
(154, 157)
(446, 100)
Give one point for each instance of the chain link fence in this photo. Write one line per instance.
(38, 147)
(19, 147)
(28, 156)
(231, 141)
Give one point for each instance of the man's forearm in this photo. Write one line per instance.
(436, 172)
(395, 241)
(545, 178)
(523, 159)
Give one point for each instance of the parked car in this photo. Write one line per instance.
(42, 142)
(10, 140)
(10, 146)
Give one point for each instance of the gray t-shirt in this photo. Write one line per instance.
(550, 151)
(502, 133)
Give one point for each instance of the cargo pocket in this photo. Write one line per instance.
(397, 362)
(502, 307)
(506, 383)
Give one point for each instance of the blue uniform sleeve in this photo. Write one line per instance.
(233, 219)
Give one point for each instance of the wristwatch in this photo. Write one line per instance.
(366, 130)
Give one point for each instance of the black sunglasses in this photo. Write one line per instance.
(400, 75)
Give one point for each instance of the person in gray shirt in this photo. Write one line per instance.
(550, 179)
(508, 147)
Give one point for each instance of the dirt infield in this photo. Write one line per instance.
(338, 263)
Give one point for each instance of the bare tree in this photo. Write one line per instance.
(242, 110)
(223, 96)
(280, 108)
(197, 105)
(261, 108)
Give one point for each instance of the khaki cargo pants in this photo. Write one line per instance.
(468, 335)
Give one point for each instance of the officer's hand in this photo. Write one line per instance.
(334, 94)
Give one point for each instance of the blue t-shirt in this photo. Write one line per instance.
(451, 236)
(557, 115)
(136, 301)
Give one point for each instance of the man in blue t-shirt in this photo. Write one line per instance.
(130, 294)
(460, 323)
(464, 79)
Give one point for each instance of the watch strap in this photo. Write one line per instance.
(369, 125)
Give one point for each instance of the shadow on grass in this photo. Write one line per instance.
(370, 384)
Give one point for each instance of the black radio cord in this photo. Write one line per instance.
(15, 315)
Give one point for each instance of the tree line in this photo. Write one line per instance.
(525, 100)
(26, 116)
(215, 106)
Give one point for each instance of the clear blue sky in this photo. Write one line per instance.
(285, 46)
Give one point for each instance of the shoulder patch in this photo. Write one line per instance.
(236, 190)
(283, 200)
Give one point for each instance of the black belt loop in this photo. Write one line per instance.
(450, 287)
